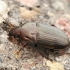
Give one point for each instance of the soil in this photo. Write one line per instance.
(31, 57)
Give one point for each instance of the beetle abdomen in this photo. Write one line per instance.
(50, 35)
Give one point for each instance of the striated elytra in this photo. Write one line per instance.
(52, 36)
(43, 34)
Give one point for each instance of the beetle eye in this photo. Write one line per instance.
(17, 35)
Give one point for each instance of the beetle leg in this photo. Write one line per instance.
(22, 47)
(43, 51)
(36, 45)
(59, 52)
(18, 52)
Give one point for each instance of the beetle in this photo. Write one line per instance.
(34, 33)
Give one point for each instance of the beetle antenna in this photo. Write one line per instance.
(8, 23)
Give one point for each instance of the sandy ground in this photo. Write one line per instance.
(31, 57)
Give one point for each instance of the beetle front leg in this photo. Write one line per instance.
(19, 52)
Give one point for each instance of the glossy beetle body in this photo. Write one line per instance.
(41, 34)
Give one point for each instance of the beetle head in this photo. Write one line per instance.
(14, 32)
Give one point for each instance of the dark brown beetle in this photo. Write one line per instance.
(42, 34)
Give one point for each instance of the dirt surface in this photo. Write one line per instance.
(31, 57)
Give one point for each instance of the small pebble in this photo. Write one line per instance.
(3, 11)
(58, 5)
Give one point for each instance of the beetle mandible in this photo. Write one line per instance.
(50, 36)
